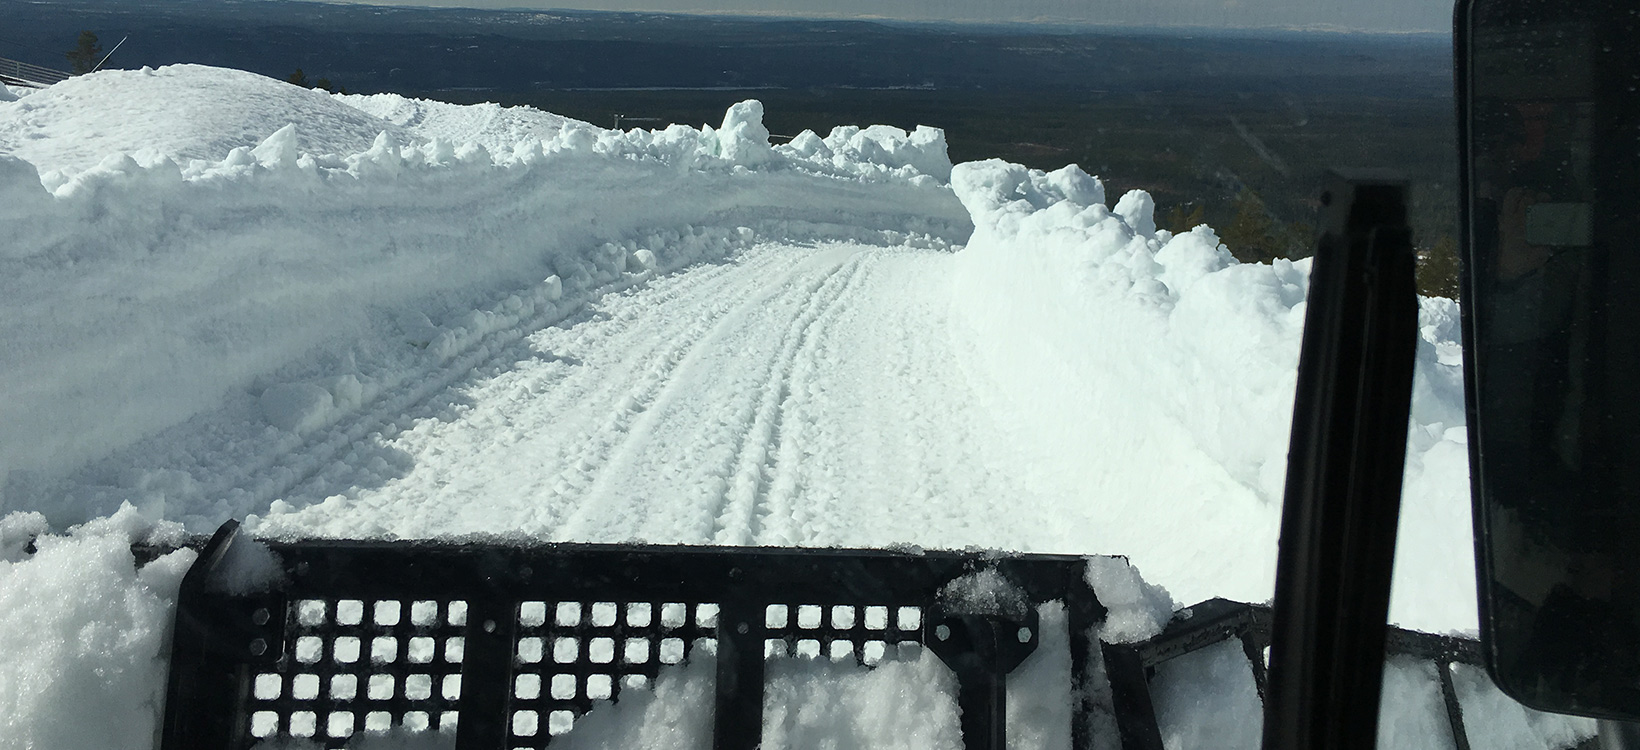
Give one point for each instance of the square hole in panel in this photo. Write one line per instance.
(264, 724)
(527, 687)
(808, 616)
(910, 618)
(635, 682)
(424, 612)
(876, 618)
(674, 615)
(841, 650)
(873, 652)
(603, 614)
(601, 650)
(842, 617)
(349, 612)
(452, 687)
(378, 721)
(532, 614)
(418, 687)
(345, 649)
(344, 687)
(808, 648)
(776, 616)
(310, 612)
(566, 650)
(909, 650)
(524, 723)
(304, 723)
(448, 720)
(774, 648)
(384, 649)
(706, 615)
(454, 649)
(267, 687)
(600, 687)
(420, 650)
(635, 651)
(309, 649)
(563, 686)
(639, 615)
(456, 613)
(417, 721)
(380, 687)
(387, 613)
(671, 651)
(529, 650)
(568, 614)
(560, 722)
(304, 687)
(339, 724)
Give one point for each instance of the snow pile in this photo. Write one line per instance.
(83, 633)
(882, 147)
(1092, 320)
(492, 126)
(180, 112)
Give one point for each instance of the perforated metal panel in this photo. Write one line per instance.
(496, 646)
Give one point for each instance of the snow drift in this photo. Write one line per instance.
(1089, 318)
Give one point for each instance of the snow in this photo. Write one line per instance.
(223, 296)
(83, 632)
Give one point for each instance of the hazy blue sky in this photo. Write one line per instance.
(1359, 15)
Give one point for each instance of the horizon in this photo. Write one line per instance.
(1397, 17)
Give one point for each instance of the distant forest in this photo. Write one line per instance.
(1232, 130)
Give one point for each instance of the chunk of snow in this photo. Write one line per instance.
(983, 592)
(278, 150)
(247, 567)
(1134, 610)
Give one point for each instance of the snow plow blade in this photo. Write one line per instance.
(257, 634)
(249, 631)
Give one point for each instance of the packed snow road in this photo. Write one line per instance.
(805, 395)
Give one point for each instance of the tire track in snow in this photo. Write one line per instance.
(581, 449)
(279, 473)
(672, 481)
(746, 504)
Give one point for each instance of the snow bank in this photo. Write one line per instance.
(291, 281)
(1175, 365)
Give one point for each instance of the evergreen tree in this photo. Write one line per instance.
(1252, 235)
(86, 53)
(1438, 269)
(1179, 222)
(299, 78)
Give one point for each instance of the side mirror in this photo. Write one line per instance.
(1549, 116)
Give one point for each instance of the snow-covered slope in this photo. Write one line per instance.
(373, 316)
(183, 112)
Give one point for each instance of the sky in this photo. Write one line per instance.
(1352, 15)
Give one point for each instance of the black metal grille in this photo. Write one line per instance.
(506, 646)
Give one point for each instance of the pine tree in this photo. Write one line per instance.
(86, 53)
(1253, 236)
(299, 78)
(1438, 269)
(1179, 222)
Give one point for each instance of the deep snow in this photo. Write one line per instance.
(373, 316)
